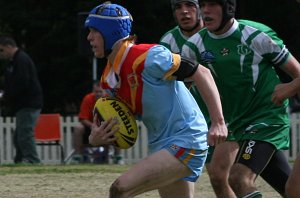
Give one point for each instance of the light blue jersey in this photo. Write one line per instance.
(142, 77)
(170, 112)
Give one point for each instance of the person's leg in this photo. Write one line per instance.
(277, 172)
(118, 158)
(218, 169)
(153, 172)
(81, 142)
(180, 188)
(25, 123)
(159, 170)
(251, 160)
(18, 156)
(243, 186)
(78, 138)
(293, 183)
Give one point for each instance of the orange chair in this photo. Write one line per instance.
(47, 132)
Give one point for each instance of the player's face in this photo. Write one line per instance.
(212, 15)
(99, 92)
(4, 52)
(186, 15)
(97, 43)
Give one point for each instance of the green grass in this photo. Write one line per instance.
(29, 169)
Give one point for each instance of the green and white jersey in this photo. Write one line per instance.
(173, 40)
(241, 61)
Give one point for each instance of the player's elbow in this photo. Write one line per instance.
(201, 71)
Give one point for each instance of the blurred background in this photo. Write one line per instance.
(52, 33)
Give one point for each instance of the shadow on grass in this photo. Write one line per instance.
(29, 169)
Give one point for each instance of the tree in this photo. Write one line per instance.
(47, 30)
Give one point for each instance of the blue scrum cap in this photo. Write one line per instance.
(112, 21)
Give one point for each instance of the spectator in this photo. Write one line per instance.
(188, 17)
(23, 95)
(83, 130)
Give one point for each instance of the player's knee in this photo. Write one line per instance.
(117, 190)
(234, 181)
(217, 181)
(216, 177)
(237, 182)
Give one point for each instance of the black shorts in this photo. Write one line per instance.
(255, 155)
(86, 134)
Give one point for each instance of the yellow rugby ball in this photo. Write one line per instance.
(106, 108)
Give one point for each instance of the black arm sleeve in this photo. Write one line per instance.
(186, 69)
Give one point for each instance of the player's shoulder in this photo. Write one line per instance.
(172, 31)
(158, 51)
(158, 56)
(255, 25)
(89, 97)
(196, 39)
(169, 34)
(154, 52)
(138, 49)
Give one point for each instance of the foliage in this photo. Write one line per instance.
(282, 17)
(48, 32)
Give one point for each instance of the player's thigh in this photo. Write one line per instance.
(255, 155)
(251, 160)
(157, 170)
(223, 157)
(180, 188)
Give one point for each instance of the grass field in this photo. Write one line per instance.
(82, 181)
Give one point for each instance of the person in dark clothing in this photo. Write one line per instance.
(23, 95)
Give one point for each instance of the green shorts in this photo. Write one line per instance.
(277, 135)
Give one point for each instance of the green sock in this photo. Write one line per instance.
(255, 194)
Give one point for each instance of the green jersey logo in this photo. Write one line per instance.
(243, 50)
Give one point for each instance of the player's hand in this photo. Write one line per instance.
(103, 133)
(217, 134)
(281, 92)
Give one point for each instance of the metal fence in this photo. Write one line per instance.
(51, 154)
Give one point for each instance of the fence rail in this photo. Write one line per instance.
(51, 154)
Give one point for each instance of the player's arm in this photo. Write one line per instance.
(210, 94)
(161, 63)
(286, 90)
(86, 122)
(85, 112)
